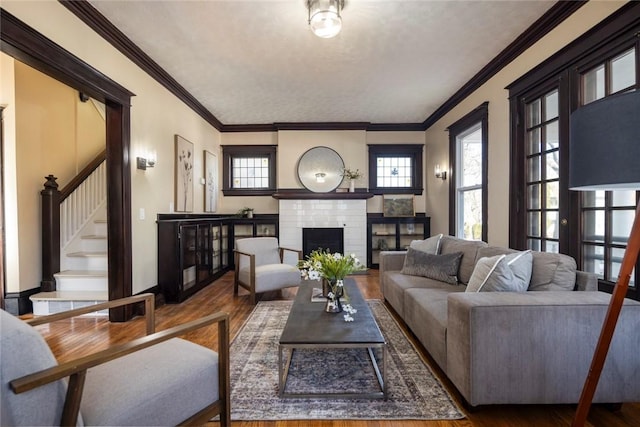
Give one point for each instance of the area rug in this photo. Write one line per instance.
(413, 391)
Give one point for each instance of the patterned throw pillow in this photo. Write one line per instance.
(437, 267)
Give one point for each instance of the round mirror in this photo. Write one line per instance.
(320, 169)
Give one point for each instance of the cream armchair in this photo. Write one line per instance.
(154, 380)
(259, 266)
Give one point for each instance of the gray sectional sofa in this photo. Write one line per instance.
(527, 347)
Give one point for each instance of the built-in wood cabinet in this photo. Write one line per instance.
(191, 254)
(393, 234)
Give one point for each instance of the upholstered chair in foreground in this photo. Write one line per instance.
(259, 266)
(154, 380)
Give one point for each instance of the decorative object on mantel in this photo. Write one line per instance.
(352, 176)
(320, 169)
(245, 212)
(398, 206)
(184, 158)
(604, 149)
(332, 268)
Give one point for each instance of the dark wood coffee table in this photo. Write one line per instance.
(310, 327)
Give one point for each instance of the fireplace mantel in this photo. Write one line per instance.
(309, 195)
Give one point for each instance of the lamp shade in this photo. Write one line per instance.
(604, 146)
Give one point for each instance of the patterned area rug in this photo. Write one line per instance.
(414, 392)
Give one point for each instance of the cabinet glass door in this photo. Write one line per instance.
(204, 252)
(216, 238)
(409, 232)
(265, 230)
(224, 245)
(383, 239)
(188, 249)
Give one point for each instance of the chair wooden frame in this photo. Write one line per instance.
(251, 286)
(76, 369)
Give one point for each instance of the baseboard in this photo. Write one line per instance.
(18, 303)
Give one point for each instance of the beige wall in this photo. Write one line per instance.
(494, 91)
(156, 116)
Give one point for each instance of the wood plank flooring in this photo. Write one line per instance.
(73, 338)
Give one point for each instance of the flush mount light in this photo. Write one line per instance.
(324, 17)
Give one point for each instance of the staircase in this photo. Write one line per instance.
(82, 279)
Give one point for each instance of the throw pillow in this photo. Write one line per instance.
(430, 245)
(502, 273)
(437, 267)
(482, 271)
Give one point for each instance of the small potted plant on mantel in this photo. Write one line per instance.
(352, 176)
(246, 212)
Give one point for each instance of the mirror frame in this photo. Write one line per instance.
(320, 160)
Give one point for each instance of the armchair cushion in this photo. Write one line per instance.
(272, 277)
(149, 387)
(24, 351)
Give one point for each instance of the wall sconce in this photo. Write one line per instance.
(442, 174)
(320, 176)
(146, 162)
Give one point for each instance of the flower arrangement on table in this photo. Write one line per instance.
(332, 267)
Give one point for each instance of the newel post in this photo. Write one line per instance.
(50, 233)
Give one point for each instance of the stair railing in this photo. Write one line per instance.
(66, 211)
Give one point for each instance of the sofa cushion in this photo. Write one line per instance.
(397, 283)
(430, 245)
(552, 272)
(438, 267)
(469, 249)
(487, 269)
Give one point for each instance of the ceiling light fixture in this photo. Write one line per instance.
(324, 17)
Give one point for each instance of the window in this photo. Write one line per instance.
(592, 227)
(248, 170)
(468, 195)
(395, 169)
(607, 216)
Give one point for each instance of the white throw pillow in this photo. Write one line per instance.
(430, 245)
(502, 273)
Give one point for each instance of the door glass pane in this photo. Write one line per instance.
(534, 113)
(552, 247)
(621, 222)
(593, 199)
(623, 71)
(553, 195)
(593, 85)
(533, 141)
(534, 168)
(533, 244)
(552, 224)
(593, 259)
(616, 262)
(552, 139)
(552, 165)
(623, 198)
(593, 226)
(534, 224)
(551, 105)
(533, 196)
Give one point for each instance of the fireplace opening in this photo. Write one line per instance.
(328, 239)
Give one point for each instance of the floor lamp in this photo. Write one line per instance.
(604, 154)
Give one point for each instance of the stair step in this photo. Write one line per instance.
(88, 254)
(94, 237)
(54, 302)
(82, 280)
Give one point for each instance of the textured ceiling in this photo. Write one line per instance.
(256, 62)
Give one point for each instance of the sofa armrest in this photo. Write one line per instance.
(497, 342)
(391, 260)
(586, 281)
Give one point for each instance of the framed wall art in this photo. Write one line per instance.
(398, 205)
(211, 181)
(184, 175)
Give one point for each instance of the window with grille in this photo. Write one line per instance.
(249, 169)
(395, 169)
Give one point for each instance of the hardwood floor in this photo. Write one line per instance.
(81, 336)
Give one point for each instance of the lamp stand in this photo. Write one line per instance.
(610, 320)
